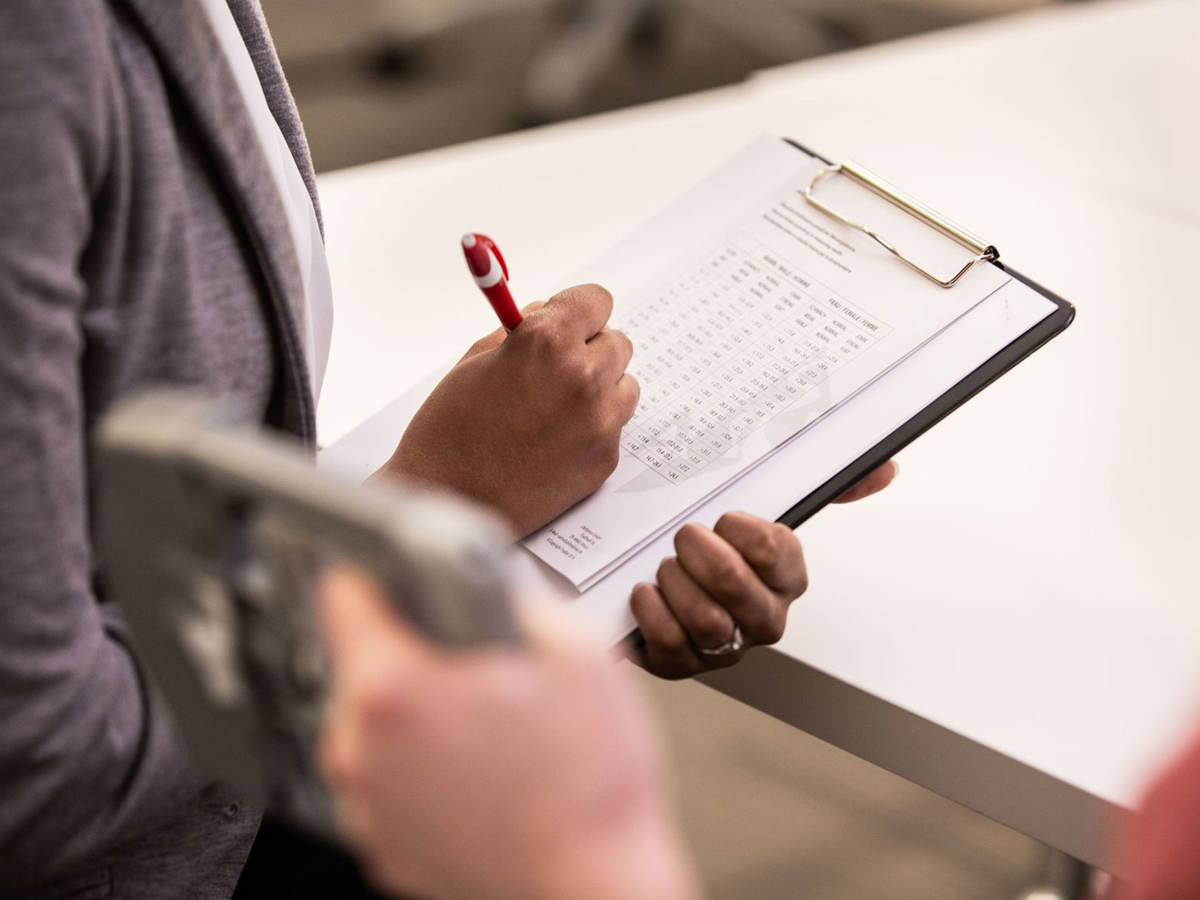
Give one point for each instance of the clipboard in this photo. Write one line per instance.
(967, 387)
(603, 606)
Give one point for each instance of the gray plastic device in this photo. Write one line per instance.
(210, 536)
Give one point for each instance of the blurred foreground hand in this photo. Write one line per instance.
(498, 773)
(1161, 840)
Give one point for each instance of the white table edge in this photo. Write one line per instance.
(1010, 792)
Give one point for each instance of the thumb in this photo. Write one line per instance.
(496, 338)
(871, 483)
(541, 612)
(359, 625)
(551, 632)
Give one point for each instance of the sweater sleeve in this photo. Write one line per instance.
(88, 758)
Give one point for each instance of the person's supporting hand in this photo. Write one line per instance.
(726, 589)
(497, 773)
(530, 423)
(1156, 850)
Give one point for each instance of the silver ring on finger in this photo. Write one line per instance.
(735, 644)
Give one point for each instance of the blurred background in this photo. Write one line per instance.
(769, 812)
(378, 78)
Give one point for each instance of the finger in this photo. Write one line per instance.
(668, 650)
(583, 310)
(340, 754)
(722, 572)
(629, 392)
(771, 548)
(349, 812)
(708, 624)
(872, 483)
(360, 629)
(615, 349)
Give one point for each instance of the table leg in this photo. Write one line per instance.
(1065, 878)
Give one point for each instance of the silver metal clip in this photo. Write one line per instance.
(984, 252)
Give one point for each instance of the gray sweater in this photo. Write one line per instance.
(141, 241)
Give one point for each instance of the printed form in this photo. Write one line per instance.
(747, 330)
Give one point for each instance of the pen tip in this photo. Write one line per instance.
(468, 241)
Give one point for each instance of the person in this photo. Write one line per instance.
(1156, 847)
(159, 224)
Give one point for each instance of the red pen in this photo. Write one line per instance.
(491, 274)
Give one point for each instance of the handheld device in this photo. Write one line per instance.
(211, 537)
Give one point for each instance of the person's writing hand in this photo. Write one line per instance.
(530, 423)
(726, 589)
(497, 773)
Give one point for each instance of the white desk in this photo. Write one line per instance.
(1024, 641)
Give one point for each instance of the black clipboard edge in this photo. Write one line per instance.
(978, 379)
